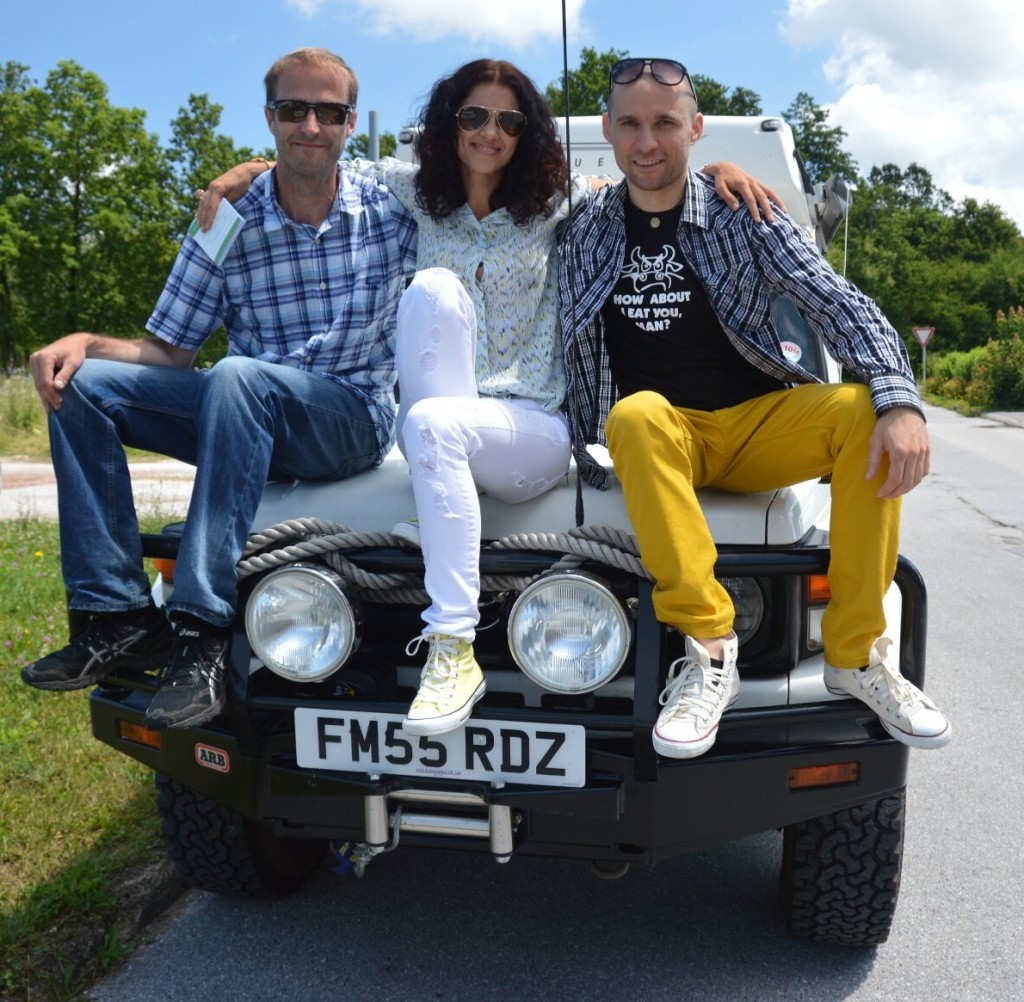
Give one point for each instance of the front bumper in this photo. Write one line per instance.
(740, 788)
(633, 805)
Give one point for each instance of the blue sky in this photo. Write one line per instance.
(909, 80)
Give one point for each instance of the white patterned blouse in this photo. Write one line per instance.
(511, 275)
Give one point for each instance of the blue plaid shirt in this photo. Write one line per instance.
(322, 300)
(741, 264)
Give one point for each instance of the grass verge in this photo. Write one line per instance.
(959, 406)
(78, 826)
(22, 419)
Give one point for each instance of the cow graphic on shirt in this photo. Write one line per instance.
(649, 272)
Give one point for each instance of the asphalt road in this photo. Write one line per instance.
(442, 926)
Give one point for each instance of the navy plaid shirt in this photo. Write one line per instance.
(740, 264)
(319, 299)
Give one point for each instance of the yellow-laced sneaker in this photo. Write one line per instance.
(450, 685)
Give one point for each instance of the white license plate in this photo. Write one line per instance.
(355, 741)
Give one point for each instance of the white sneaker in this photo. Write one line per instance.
(905, 711)
(408, 531)
(450, 685)
(696, 695)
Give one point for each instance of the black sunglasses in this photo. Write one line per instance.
(473, 116)
(327, 112)
(666, 71)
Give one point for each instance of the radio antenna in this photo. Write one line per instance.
(573, 401)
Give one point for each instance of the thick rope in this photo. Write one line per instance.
(313, 538)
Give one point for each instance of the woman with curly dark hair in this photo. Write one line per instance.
(538, 171)
(478, 348)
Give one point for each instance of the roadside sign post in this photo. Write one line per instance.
(924, 335)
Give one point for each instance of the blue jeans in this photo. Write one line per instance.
(240, 423)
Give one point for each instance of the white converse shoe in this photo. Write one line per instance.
(905, 711)
(696, 695)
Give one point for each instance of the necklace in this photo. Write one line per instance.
(655, 219)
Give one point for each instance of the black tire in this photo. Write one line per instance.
(216, 849)
(841, 873)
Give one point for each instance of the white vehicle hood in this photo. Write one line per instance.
(377, 499)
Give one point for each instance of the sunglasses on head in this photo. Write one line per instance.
(666, 71)
(471, 117)
(327, 112)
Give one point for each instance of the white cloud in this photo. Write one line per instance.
(517, 23)
(939, 84)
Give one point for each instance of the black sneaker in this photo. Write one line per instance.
(192, 688)
(106, 643)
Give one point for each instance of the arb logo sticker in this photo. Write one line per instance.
(213, 758)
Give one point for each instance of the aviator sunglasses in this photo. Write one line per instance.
(666, 71)
(473, 116)
(327, 112)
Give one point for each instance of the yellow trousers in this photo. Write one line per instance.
(664, 454)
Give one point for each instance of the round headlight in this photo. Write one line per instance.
(748, 601)
(568, 632)
(300, 623)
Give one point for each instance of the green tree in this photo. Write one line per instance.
(21, 151)
(820, 145)
(981, 230)
(86, 198)
(908, 188)
(716, 99)
(198, 153)
(359, 145)
(588, 85)
(588, 89)
(928, 261)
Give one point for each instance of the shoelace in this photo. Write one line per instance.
(688, 680)
(99, 643)
(889, 686)
(440, 670)
(190, 659)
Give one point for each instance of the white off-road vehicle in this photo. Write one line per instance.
(557, 759)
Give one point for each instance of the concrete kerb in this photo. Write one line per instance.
(1014, 419)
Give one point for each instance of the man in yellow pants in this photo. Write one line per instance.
(666, 308)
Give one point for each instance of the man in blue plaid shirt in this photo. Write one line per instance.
(307, 293)
(665, 296)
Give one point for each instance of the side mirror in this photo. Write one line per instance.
(831, 208)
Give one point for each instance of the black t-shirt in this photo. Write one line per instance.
(660, 330)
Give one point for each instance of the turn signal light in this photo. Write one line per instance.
(165, 566)
(818, 589)
(139, 734)
(809, 776)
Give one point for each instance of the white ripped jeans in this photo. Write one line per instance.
(459, 443)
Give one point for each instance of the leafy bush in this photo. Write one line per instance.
(955, 365)
(989, 377)
(998, 383)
